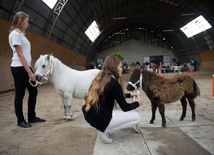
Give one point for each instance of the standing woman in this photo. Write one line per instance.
(105, 89)
(22, 71)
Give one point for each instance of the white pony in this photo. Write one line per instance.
(69, 83)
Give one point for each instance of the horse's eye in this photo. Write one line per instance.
(43, 66)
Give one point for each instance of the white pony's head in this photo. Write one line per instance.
(44, 67)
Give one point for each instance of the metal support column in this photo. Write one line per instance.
(56, 12)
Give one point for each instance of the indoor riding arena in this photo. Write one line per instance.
(166, 37)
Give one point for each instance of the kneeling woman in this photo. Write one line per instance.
(99, 101)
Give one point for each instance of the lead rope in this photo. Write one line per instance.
(137, 126)
(36, 83)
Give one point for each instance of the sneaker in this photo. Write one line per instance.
(24, 124)
(137, 128)
(105, 138)
(36, 119)
(108, 133)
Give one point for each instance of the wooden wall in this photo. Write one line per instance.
(39, 46)
(207, 60)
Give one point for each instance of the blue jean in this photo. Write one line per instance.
(21, 82)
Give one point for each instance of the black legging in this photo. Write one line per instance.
(21, 81)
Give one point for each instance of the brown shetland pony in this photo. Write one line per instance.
(162, 91)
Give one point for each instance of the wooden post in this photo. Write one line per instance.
(213, 85)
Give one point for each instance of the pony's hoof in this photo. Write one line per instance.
(151, 122)
(64, 117)
(164, 125)
(181, 119)
(68, 118)
(193, 120)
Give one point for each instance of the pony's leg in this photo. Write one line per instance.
(154, 108)
(192, 105)
(161, 108)
(68, 101)
(184, 108)
(64, 106)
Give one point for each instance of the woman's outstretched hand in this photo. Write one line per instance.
(140, 101)
(134, 94)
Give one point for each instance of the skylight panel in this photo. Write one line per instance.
(196, 26)
(50, 3)
(93, 31)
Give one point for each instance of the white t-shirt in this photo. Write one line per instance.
(16, 37)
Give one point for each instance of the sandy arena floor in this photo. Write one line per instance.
(56, 136)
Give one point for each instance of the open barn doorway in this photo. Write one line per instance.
(156, 59)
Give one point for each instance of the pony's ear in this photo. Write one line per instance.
(48, 57)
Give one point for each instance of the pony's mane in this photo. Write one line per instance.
(150, 75)
(52, 58)
(135, 70)
(56, 60)
(135, 73)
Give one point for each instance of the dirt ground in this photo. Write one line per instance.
(57, 136)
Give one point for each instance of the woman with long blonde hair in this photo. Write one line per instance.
(105, 89)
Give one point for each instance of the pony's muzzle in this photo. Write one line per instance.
(38, 77)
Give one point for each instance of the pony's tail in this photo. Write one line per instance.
(196, 88)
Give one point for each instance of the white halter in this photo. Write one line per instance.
(44, 76)
(135, 84)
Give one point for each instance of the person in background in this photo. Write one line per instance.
(137, 64)
(105, 89)
(22, 71)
